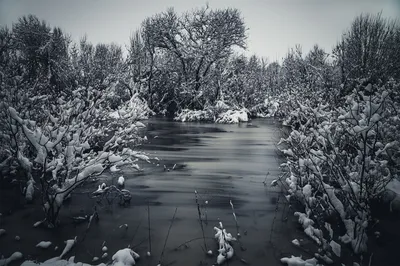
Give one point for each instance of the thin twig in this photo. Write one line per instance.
(148, 224)
(166, 238)
(191, 240)
(201, 221)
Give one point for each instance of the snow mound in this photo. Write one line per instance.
(125, 257)
(297, 261)
(43, 244)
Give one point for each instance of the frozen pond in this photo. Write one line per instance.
(221, 162)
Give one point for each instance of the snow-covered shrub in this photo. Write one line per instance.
(77, 141)
(268, 108)
(219, 113)
(233, 117)
(225, 249)
(341, 159)
(133, 107)
(187, 115)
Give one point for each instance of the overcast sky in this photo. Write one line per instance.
(274, 26)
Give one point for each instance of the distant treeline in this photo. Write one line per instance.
(187, 61)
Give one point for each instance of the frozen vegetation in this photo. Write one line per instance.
(71, 111)
(342, 149)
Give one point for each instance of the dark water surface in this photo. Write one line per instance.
(221, 162)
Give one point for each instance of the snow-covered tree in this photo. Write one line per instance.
(198, 40)
(369, 51)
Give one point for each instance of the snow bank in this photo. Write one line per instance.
(135, 108)
(125, 257)
(121, 181)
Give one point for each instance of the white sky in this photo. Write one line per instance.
(274, 26)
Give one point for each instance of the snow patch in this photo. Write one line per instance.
(15, 256)
(43, 244)
(298, 261)
(125, 257)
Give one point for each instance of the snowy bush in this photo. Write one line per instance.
(225, 249)
(341, 159)
(233, 117)
(134, 107)
(78, 140)
(187, 115)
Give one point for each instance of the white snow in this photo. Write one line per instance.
(114, 169)
(2, 231)
(58, 262)
(43, 244)
(334, 201)
(296, 242)
(225, 249)
(37, 223)
(121, 181)
(394, 187)
(307, 191)
(68, 245)
(102, 188)
(329, 229)
(193, 115)
(125, 257)
(233, 117)
(309, 229)
(325, 258)
(336, 248)
(298, 261)
(30, 190)
(15, 256)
